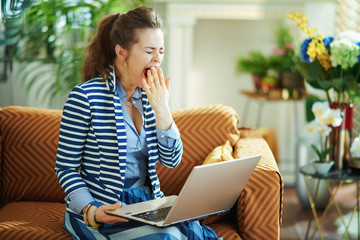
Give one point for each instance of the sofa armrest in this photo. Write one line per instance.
(259, 207)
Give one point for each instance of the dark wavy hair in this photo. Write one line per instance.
(112, 30)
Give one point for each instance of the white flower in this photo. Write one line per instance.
(331, 117)
(312, 126)
(355, 148)
(324, 130)
(319, 108)
(317, 127)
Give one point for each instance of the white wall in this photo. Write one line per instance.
(214, 80)
(217, 43)
(204, 40)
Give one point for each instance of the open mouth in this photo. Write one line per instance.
(146, 71)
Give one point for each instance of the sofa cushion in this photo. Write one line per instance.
(33, 220)
(202, 129)
(29, 139)
(220, 153)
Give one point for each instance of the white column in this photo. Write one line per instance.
(180, 55)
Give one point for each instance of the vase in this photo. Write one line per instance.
(257, 82)
(340, 138)
(263, 85)
(293, 82)
(323, 167)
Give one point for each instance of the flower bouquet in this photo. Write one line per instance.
(330, 63)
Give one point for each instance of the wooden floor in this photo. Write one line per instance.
(296, 217)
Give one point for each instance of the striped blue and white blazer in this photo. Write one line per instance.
(92, 138)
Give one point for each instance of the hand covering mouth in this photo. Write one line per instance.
(148, 68)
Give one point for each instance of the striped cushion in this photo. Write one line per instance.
(260, 203)
(33, 220)
(29, 140)
(202, 129)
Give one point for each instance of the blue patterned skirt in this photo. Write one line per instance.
(135, 230)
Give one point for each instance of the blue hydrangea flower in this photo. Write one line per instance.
(327, 42)
(303, 50)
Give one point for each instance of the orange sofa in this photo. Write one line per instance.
(32, 202)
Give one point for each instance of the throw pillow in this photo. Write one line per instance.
(220, 153)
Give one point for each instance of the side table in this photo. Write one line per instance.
(262, 99)
(338, 177)
(275, 97)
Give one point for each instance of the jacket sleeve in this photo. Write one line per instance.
(171, 156)
(74, 127)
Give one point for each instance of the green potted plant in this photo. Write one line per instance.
(284, 59)
(257, 64)
(46, 40)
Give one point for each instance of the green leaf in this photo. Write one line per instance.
(318, 153)
(255, 63)
(326, 152)
(337, 83)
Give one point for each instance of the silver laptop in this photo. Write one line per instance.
(209, 190)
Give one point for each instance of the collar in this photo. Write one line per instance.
(112, 79)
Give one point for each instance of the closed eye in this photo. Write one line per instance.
(160, 52)
(150, 50)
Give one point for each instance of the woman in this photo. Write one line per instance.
(116, 126)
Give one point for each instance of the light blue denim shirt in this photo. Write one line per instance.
(136, 155)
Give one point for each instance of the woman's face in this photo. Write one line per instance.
(147, 52)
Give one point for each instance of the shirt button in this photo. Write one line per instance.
(139, 148)
(133, 102)
(163, 136)
(135, 165)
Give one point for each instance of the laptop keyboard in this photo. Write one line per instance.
(156, 215)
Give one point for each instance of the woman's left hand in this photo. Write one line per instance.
(158, 92)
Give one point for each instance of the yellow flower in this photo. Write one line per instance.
(302, 22)
(317, 50)
(312, 31)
